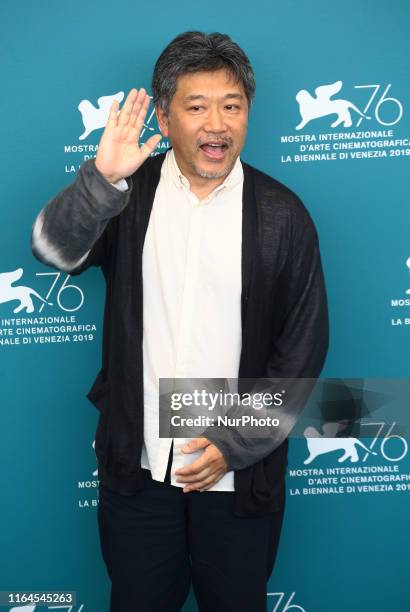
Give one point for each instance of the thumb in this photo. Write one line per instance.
(195, 444)
(149, 147)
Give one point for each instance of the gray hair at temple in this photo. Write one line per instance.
(195, 52)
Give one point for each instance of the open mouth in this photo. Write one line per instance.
(214, 150)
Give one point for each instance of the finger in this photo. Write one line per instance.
(204, 484)
(138, 103)
(195, 477)
(195, 467)
(208, 458)
(113, 115)
(125, 112)
(140, 118)
(148, 147)
(209, 485)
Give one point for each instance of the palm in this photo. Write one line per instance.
(119, 154)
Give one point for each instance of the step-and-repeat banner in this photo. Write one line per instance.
(330, 120)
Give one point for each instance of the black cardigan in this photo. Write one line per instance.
(283, 310)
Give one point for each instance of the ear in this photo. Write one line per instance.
(162, 120)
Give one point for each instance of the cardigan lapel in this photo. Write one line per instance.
(249, 240)
(153, 174)
(249, 250)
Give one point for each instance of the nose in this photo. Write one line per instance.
(214, 121)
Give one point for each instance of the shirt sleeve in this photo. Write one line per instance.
(121, 185)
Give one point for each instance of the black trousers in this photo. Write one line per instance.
(156, 542)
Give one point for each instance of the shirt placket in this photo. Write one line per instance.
(188, 304)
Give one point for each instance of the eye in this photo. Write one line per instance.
(195, 108)
(232, 107)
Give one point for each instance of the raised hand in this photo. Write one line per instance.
(119, 154)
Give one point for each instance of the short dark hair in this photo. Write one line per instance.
(195, 52)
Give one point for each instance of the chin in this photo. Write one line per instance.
(213, 173)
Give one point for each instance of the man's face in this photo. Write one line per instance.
(206, 123)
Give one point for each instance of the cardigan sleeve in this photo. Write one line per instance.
(72, 232)
(297, 355)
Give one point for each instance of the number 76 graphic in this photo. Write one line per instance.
(284, 606)
(382, 100)
(60, 293)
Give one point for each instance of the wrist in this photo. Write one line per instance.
(111, 178)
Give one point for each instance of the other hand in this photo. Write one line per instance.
(205, 471)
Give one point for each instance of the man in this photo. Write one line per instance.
(212, 270)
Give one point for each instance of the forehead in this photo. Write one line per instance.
(208, 83)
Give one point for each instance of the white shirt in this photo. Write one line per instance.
(192, 299)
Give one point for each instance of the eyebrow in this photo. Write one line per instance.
(236, 96)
